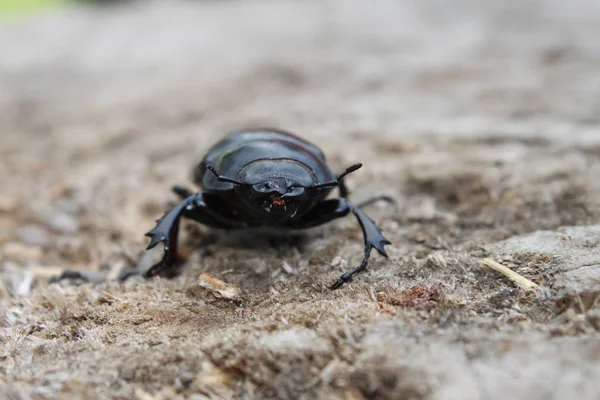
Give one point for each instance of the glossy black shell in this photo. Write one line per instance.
(265, 151)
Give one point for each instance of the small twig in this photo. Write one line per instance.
(518, 279)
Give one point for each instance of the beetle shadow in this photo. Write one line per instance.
(253, 257)
(262, 239)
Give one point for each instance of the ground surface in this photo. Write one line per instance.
(481, 117)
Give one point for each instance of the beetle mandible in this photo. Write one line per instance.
(264, 177)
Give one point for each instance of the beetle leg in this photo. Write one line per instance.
(332, 209)
(373, 240)
(343, 189)
(182, 191)
(368, 202)
(167, 228)
(344, 193)
(167, 231)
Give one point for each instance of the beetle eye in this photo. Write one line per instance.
(294, 191)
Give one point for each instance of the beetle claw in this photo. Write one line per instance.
(165, 232)
(155, 239)
(157, 234)
(373, 236)
(379, 242)
(380, 247)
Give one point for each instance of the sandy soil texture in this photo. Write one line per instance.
(482, 118)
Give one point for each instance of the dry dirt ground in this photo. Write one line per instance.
(480, 117)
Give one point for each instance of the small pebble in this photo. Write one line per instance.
(287, 268)
(14, 279)
(215, 289)
(336, 261)
(339, 262)
(33, 235)
(63, 223)
(23, 287)
(106, 297)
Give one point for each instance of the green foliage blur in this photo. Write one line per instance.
(15, 7)
(9, 8)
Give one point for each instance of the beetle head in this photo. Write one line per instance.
(273, 197)
(276, 189)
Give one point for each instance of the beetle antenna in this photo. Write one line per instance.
(222, 178)
(335, 182)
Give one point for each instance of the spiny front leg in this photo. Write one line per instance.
(167, 232)
(372, 238)
(329, 210)
(167, 228)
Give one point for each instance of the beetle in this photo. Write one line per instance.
(264, 177)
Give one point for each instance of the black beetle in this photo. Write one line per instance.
(264, 177)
